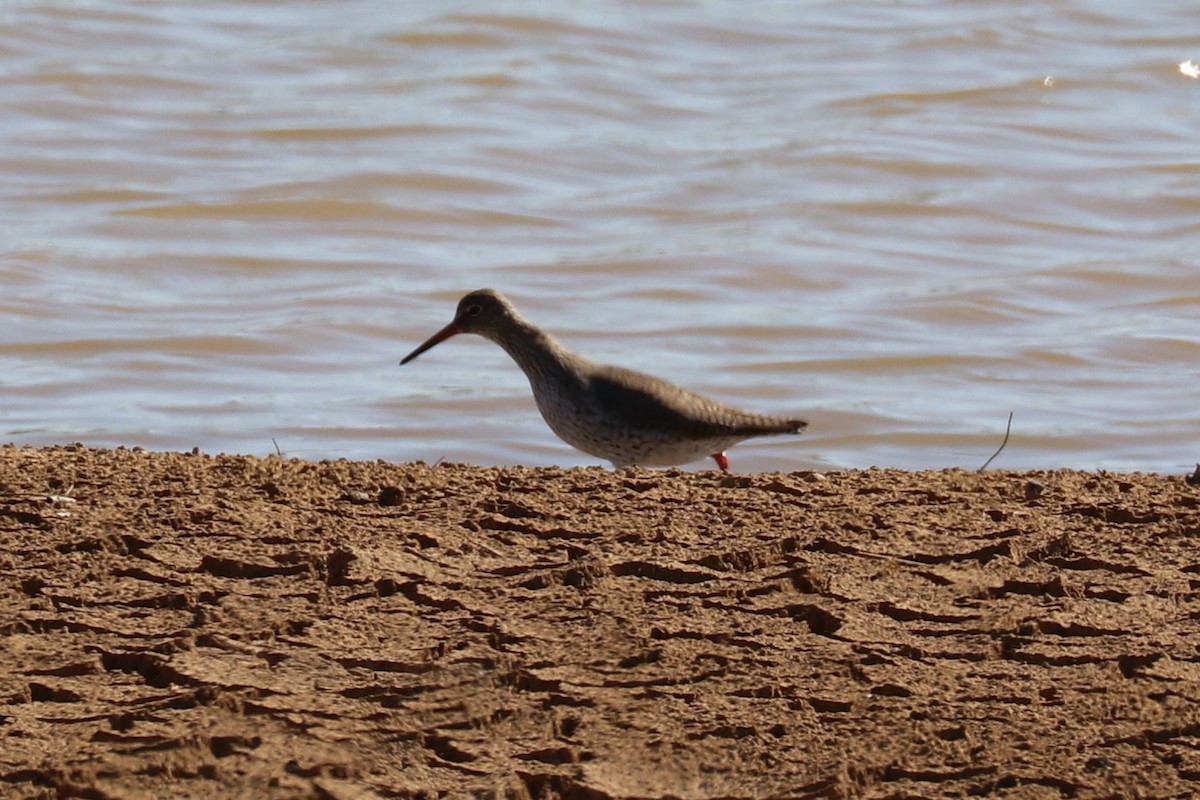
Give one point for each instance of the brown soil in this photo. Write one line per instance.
(182, 625)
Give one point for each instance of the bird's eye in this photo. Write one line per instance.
(474, 310)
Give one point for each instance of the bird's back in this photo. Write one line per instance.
(645, 402)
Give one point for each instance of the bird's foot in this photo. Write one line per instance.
(722, 461)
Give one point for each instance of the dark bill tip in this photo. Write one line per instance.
(441, 336)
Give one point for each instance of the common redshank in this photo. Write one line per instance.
(617, 414)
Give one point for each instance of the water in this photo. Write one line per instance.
(224, 224)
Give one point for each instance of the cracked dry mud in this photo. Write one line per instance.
(192, 626)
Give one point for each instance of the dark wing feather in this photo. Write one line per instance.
(643, 402)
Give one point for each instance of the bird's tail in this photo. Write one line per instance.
(770, 426)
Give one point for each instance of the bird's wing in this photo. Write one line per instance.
(643, 402)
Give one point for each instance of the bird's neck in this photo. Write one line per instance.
(537, 353)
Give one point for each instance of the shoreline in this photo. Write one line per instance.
(185, 624)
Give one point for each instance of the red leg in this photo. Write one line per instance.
(722, 461)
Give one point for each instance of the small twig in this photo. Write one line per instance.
(279, 452)
(1007, 431)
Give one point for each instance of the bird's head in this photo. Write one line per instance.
(484, 312)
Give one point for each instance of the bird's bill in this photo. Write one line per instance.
(441, 336)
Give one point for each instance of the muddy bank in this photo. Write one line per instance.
(179, 625)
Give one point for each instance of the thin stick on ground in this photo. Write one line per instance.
(1007, 431)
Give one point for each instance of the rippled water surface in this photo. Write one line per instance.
(224, 223)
